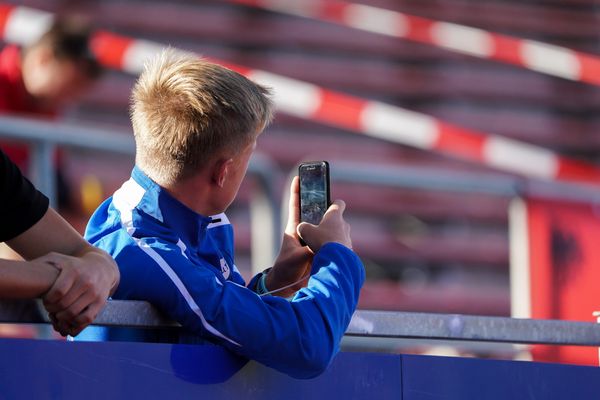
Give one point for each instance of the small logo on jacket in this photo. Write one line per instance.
(225, 270)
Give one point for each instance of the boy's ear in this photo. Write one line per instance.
(221, 170)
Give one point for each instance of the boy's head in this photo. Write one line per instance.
(188, 113)
(59, 66)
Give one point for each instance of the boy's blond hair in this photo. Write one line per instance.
(185, 111)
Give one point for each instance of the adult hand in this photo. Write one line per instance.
(294, 260)
(81, 289)
(333, 228)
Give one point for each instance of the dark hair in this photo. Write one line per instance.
(69, 40)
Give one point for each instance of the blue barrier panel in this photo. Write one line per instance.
(427, 378)
(37, 369)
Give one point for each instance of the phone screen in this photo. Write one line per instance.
(314, 191)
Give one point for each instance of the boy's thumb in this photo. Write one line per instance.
(304, 228)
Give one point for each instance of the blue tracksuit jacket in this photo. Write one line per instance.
(183, 263)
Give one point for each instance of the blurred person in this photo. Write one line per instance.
(42, 78)
(74, 278)
(196, 125)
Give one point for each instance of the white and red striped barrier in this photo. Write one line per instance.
(530, 54)
(305, 100)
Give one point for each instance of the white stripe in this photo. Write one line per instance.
(463, 39)
(375, 20)
(125, 200)
(549, 59)
(519, 157)
(223, 221)
(237, 284)
(138, 54)
(520, 279)
(182, 289)
(236, 270)
(183, 247)
(26, 25)
(398, 125)
(290, 95)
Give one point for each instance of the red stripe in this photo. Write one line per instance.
(420, 29)
(573, 170)
(109, 48)
(334, 11)
(5, 11)
(340, 110)
(507, 49)
(460, 142)
(590, 68)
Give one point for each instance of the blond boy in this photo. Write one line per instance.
(195, 126)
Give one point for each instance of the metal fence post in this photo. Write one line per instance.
(42, 170)
(265, 223)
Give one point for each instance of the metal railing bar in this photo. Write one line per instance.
(474, 328)
(67, 134)
(103, 139)
(426, 178)
(381, 324)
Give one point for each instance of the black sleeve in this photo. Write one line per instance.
(21, 204)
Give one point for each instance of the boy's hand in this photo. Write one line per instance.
(333, 228)
(81, 289)
(294, 260)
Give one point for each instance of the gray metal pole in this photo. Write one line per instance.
(380, 324)
(265, 226)
(43, 171)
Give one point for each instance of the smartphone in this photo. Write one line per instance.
(315, 197)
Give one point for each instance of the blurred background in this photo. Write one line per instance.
(431, 226)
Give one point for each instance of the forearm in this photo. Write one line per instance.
(297, 337)
(306, 331)
(290, 271)
(22, 279)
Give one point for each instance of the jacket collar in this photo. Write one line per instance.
(160, 204)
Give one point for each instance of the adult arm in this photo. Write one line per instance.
(25, 279)
(87, 275)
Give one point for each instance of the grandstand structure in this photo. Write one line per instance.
(429, 245)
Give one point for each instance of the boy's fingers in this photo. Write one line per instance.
(304, 228)
(337, 205)
(295, 188)
(293, 207)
